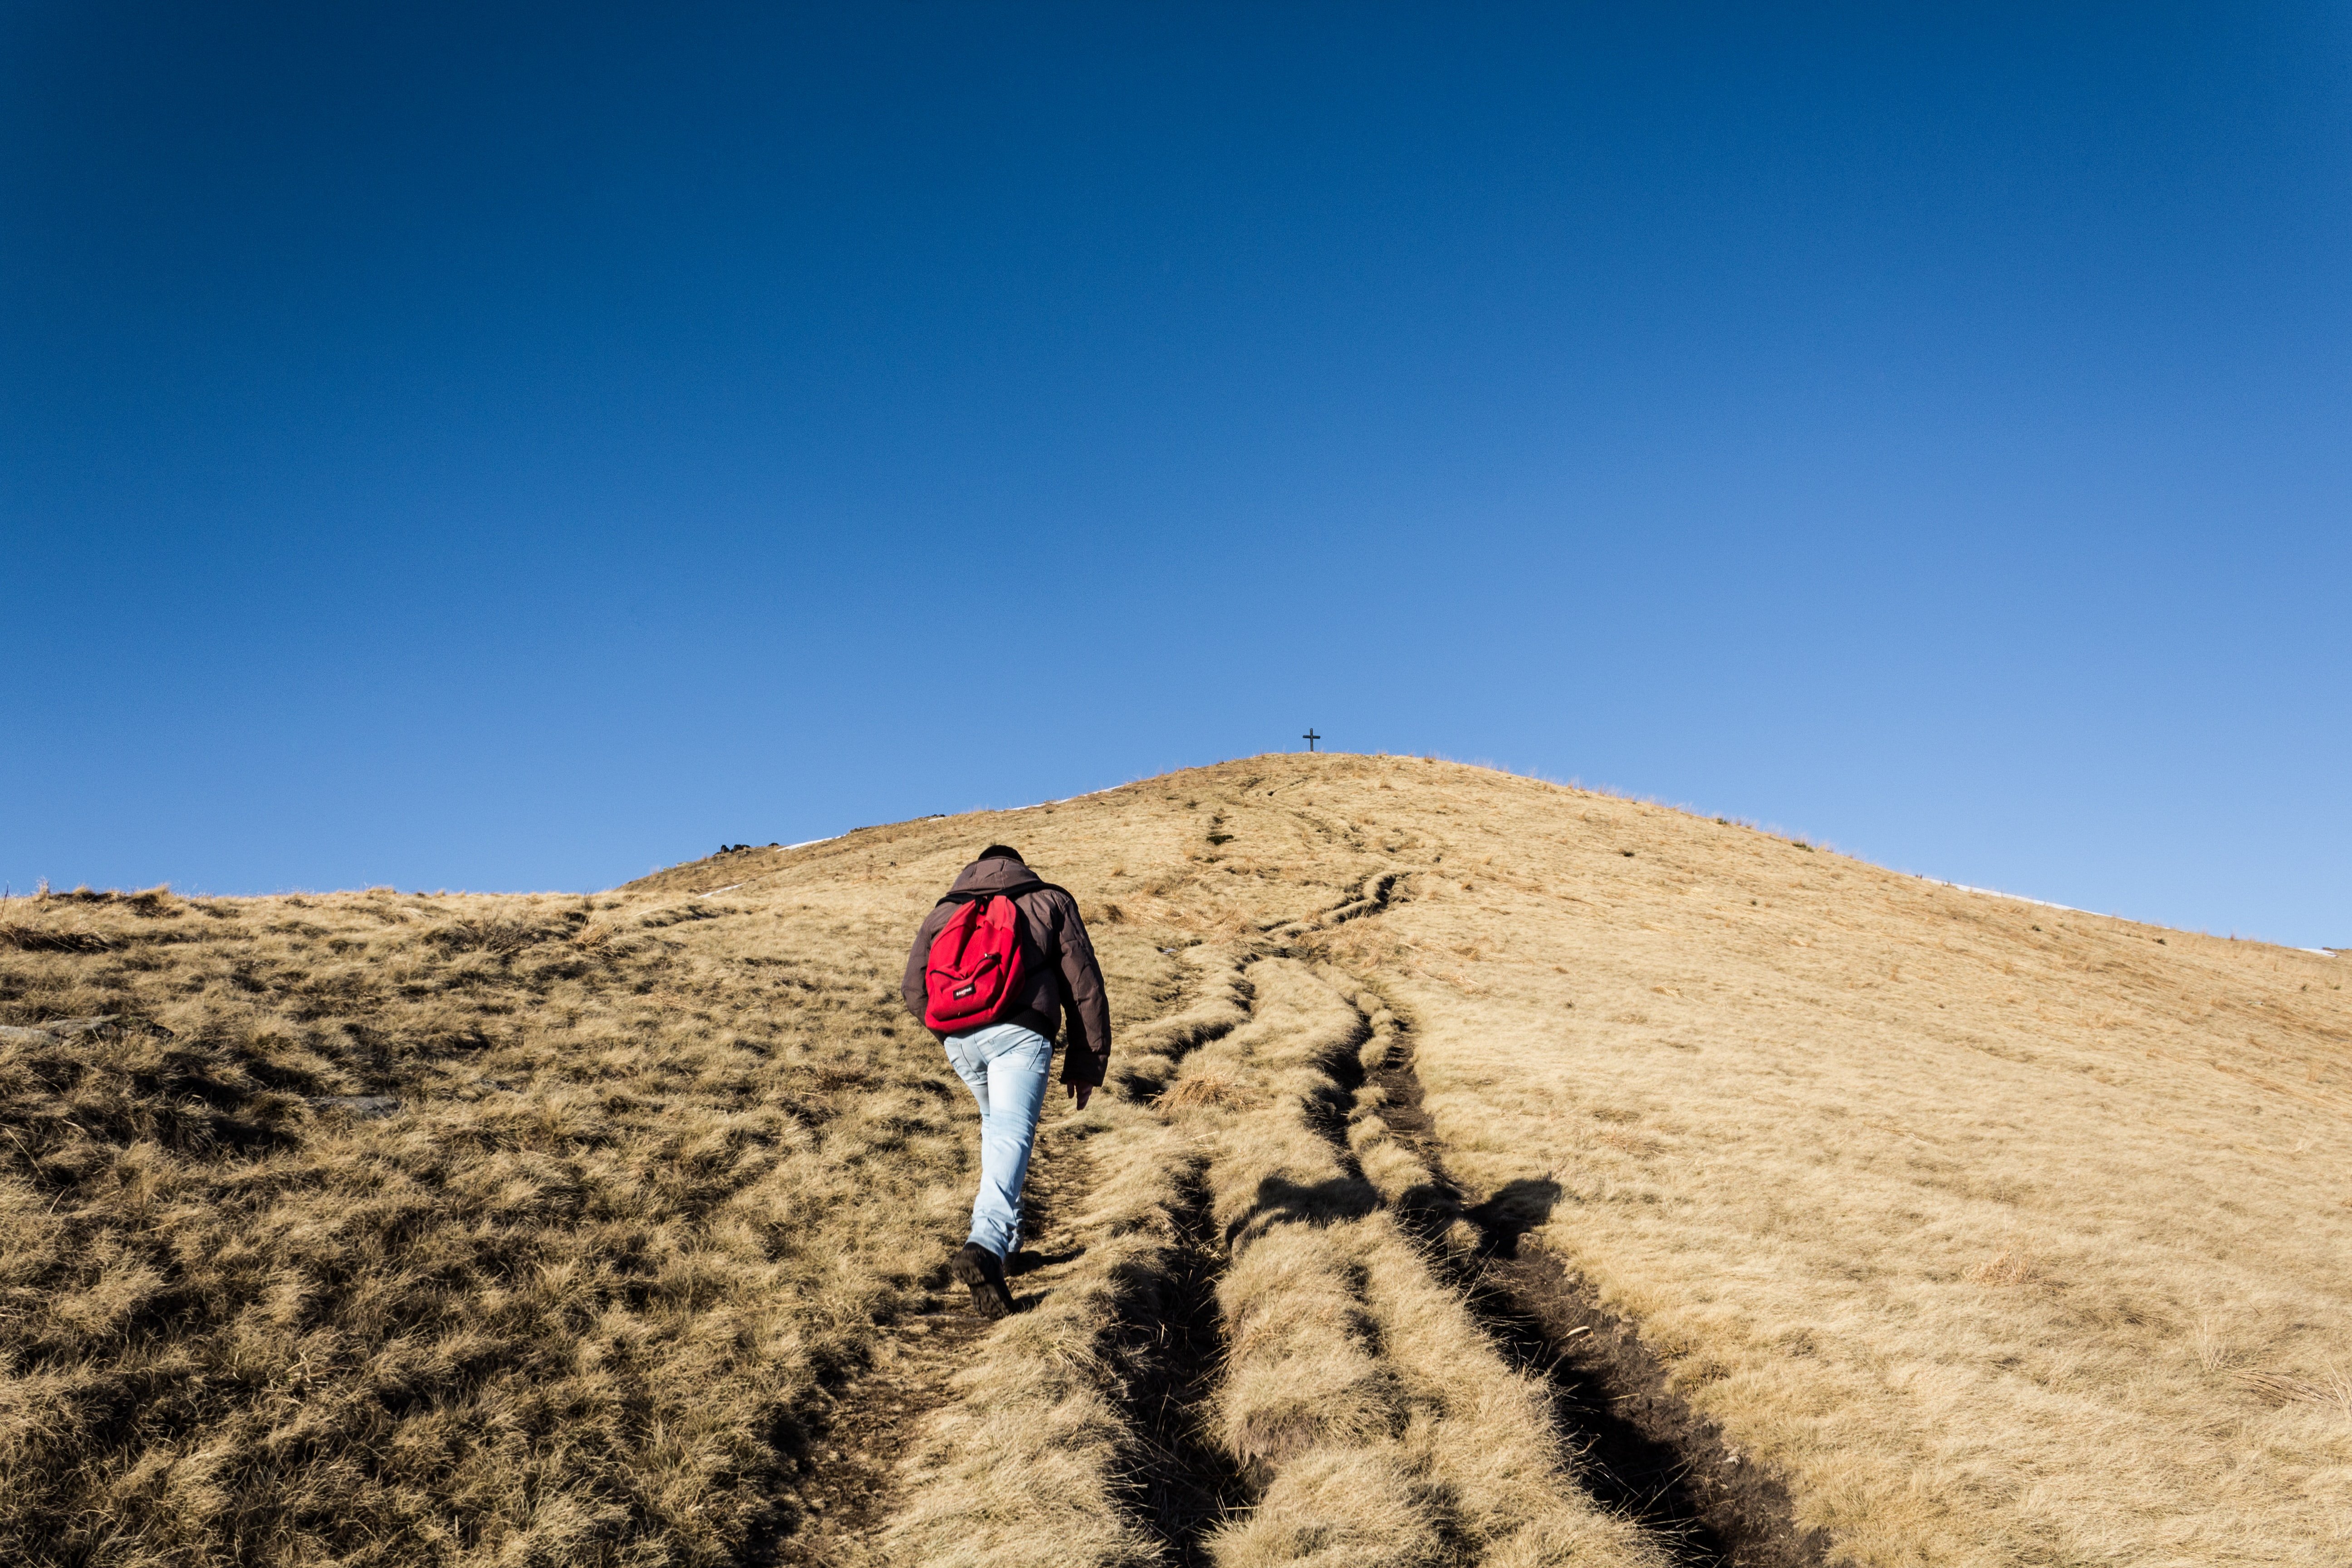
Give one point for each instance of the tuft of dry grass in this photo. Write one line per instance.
(2331, 1391)
(1200, 1089)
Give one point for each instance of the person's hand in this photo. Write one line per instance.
(1082, 1092)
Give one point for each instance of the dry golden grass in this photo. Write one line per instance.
(1924, 1194)
(649, 1182)
(2002, 1234)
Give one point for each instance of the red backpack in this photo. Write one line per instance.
(974, 971)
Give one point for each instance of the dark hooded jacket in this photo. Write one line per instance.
(1067, 981)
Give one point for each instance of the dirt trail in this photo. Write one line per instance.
(1642, 1450)
(1645, 1450)
(1626, 1445)
(865, 1467)
(847, 1473)
(851, 1471)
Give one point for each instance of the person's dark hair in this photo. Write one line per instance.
(1002, 852)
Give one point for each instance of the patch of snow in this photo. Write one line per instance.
(2044, 903)
(1997, 893)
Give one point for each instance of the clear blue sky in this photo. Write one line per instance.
(501, 447)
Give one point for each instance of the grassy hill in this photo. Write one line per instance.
(1491, 1173)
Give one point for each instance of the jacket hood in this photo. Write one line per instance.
(993, 875)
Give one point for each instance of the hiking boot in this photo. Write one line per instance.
(978, 1268)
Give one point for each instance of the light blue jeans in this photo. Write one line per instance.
(1005, 1067)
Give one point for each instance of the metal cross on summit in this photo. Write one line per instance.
(1310, 737)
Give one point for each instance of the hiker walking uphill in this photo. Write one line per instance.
(996, 965)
